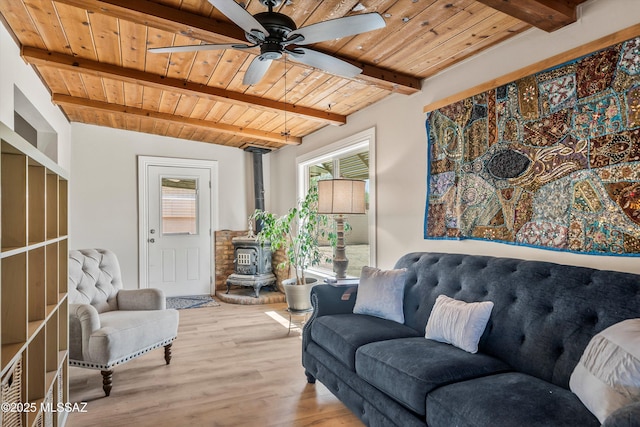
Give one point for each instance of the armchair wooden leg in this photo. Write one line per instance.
(106, 381)
(167, 353)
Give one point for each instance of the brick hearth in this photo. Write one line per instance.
(224, 267)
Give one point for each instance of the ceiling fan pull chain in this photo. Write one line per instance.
(286, 132)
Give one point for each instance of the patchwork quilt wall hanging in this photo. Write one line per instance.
(551, 160)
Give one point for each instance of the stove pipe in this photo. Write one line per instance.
(258, 184)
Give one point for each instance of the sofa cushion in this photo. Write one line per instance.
(509, 399)
(544, 314)
(125, 333)
(409, 368)
(629, 416)
(380, 293)
(458, 323)
(342, 334)
(608, 374)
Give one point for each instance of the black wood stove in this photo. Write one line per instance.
(252, 259)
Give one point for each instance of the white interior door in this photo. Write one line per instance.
(179, 230)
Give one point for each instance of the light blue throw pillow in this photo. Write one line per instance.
(381, 293)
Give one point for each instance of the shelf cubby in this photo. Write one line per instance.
(35, 389)
(34, 386)
(52, 260)
(36, 202)
(63, 327)
(52, 205)
(63, 206)
(51, 354)
(13, 305)
(63, 266)
(36, 288)
(13, 187)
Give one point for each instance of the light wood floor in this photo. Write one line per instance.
(232, 365)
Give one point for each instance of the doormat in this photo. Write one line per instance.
(195, 301)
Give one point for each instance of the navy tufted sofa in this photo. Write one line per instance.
(544, 315)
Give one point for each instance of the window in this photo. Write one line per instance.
(179, 206)
(349, 158)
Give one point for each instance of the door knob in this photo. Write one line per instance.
(152, 240)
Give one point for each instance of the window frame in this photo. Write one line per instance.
(342, 147)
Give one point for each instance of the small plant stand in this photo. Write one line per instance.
(303, 313)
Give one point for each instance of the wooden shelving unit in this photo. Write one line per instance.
(33, 280)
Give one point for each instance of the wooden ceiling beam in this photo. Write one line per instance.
(548, 15)
(383, 78)
(62, 61)
(67, 100)
(212, 30)
(164, 18)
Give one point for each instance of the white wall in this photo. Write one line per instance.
(14, 72)
(401, 141)
(104, 199)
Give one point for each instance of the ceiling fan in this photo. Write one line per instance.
(276, 34)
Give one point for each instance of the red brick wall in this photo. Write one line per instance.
(224, 256)
(281, 273)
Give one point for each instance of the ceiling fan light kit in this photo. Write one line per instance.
(276, 34)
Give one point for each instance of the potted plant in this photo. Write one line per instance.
(299, 232)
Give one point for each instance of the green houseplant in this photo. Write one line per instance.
(299, 232)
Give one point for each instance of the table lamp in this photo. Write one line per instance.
(341, 197)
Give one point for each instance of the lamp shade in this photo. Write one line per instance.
(341, 196)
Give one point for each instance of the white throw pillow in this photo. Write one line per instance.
(458, 323)
(381, 293)
(607, 377)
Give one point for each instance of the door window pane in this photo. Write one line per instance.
(179, 206)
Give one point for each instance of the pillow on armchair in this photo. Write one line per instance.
(381, 293)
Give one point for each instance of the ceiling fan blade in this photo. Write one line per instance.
(256, 70)
(239, 16)
(324, 62)
(336, 28)
(198, 47)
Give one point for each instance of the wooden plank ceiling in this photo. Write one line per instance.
(92, 55)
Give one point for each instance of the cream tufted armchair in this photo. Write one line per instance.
(109, 325)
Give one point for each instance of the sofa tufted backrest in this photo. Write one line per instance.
(544, 313)
(94, 278)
